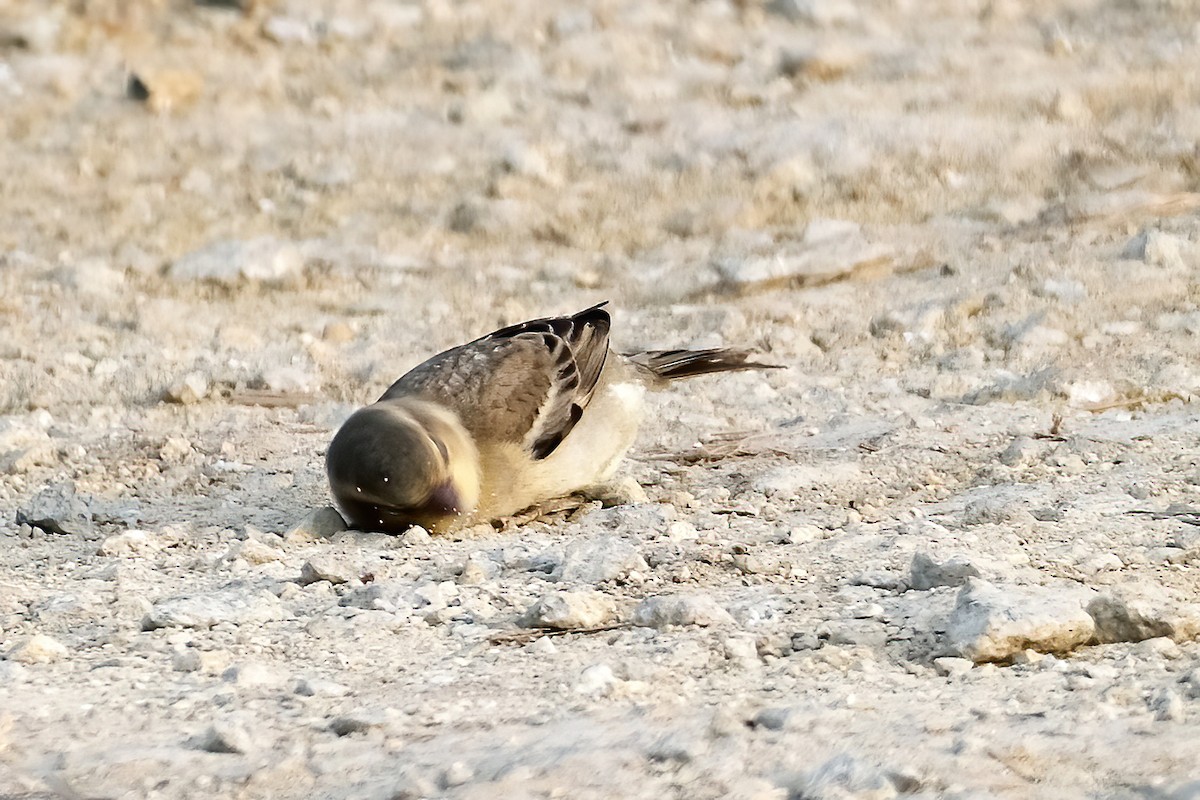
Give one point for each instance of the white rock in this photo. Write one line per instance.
(416, 536)
(290, 379)
(1159, 249)
(994, 623)
(256, 552)
(846, 778)
(1065, 290)
(777, 718)
(234, 605)
(94, 276)
(226, 736)
(865, 611)
(791, 481)
(319, 687)
(357, 722)
(457, 774)
(478, 568)
(1020, 450)
(825, 13)
(320, 523)
(288, 30)
(11, 672)
(130, 543)
(568, 610)
(37, 649)
(1104, 562)
(265, 259)
(1167, 705)
(605, 558)
(680, 609)
(742, 650)
(1134, 613)
(596, 679)
(953, 667)
(682, 531)
(925, 573)
(252, 674)
(188, 390)
(331, 567)
(823, 261)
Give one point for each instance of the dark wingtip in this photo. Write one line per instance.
(674, 364)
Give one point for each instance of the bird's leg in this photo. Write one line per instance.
(569, 507)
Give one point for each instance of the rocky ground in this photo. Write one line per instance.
(952, 551)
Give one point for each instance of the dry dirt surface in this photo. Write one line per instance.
(951, 552)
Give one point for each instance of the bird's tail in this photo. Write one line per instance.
(669, 365)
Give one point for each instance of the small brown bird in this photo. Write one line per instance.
(528, 413)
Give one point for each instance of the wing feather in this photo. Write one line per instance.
(527, 384)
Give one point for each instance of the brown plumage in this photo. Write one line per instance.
(525, 414)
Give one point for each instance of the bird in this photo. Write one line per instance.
(528, 413)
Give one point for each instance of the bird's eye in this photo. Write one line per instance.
(441, 448)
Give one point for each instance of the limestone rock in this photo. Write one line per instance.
(265, 259)
(995, 623)
(235, 605)
(37, 649)
(605, 558)
(679, 609)
(569, 610)
(925, 573)
(1135, 614)
(321, 523)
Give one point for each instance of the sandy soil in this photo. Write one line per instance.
(969, 229)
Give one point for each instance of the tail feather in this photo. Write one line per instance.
(669, 365)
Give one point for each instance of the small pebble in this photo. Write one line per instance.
(37, 649)
(320, 523)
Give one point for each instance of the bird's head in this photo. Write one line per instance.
(392, 466)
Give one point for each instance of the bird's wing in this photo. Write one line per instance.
(526, 384)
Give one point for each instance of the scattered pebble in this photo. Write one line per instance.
(605, 558)
(130, 543)
(188, 390)
(226, 737)
(167, 90)
(457, 773)
(479, 568)
(331, 567)
(231, 262)
(319, 687)
(925, 573)
(236, 605)
(665, 611)
(416, 536)
(847, 778)
(995, 622)
(953, 667)
(568, 610)
(320, 523)
(252, 674)
(1167, 706)
(596, 680)
(1158, 249)
(256, 552)
(1131, 614)
(777, 718)
(37, 649)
